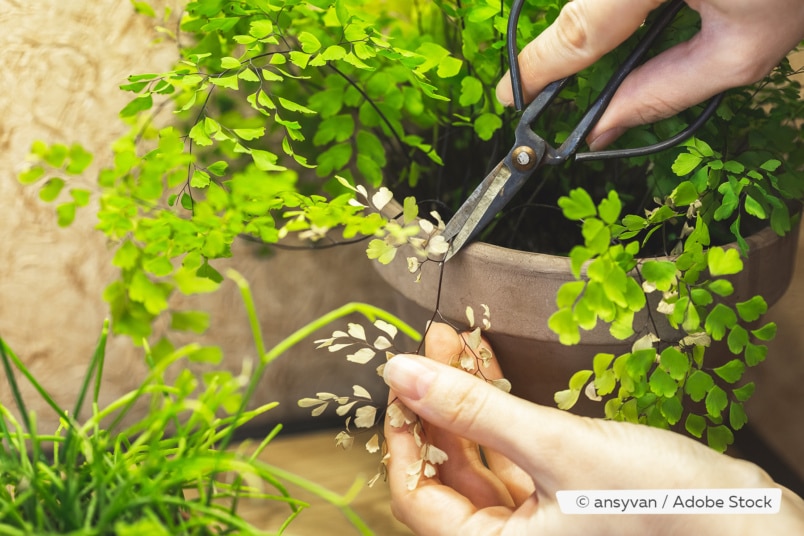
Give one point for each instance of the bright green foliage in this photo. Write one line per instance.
(63, 160)
(608, 293)
(612, 287)
(262, 92)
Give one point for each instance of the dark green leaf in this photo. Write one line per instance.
(334, 159)
(695, 425)
(672, 410)
(766, 332)
(675, 363)
(755, 354)
(732, 371)
(744, 393)
(716, 401)
(752, 309)
(137, 105)
(754, 207)
(639, 363)
(737, 339)
(661, 384)
(698, 385)
(720, 319)
(186, 201)
(719, 437)
(701, 297)
(780, 219)
(208, 272)
(737, 416)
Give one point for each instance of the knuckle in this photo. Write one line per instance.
(466, 406)
(655, 109)
(572, 27)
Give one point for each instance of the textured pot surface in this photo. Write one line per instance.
(520, 290)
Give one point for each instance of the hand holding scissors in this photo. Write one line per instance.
(531, 151)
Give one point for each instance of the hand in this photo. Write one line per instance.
(740, 41)
(533, 451)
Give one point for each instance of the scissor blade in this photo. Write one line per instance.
(478, 210)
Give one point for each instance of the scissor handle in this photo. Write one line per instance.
(524, 133)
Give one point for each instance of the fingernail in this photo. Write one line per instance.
(605, 139)
(409, 376)
(505, 92)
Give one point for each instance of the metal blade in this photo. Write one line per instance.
(479, 209)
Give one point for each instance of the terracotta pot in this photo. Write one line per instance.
(520, 290)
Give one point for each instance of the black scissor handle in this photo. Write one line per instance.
(595, 111)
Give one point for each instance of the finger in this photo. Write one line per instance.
(468, 407)
(426, 505)
(464, 471)
(584, 31)
(725, 53)
(518, 483)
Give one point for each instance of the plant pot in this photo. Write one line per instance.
(520, 290)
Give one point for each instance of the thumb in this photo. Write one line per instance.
(584, 31)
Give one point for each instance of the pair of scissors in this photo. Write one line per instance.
(531, 151)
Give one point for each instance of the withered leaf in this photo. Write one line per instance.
(362, 356)
(365, 416)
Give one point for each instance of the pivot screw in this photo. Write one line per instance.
(523, 158)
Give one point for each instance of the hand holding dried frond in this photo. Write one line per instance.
(432, 452)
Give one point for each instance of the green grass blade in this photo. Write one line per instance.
(7, 355)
